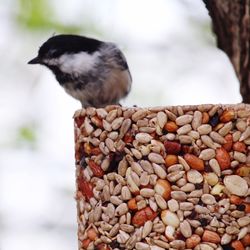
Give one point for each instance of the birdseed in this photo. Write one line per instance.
(163, 178)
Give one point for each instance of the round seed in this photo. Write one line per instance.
(194, 176)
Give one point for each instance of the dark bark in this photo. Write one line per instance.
(231, 24)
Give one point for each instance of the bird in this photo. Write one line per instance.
(92, 71)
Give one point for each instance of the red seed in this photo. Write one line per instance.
(85, 188)
(85, 243)
(194, 162)
(223, 158)
(143, 215)
(240, 147)
(172, 147)
(96, 169)
(229, 142)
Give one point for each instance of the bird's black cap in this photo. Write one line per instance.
(65, 44)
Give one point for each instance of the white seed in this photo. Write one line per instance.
(117, 123)
(186, 206)
(194, 134)
(217, 137)
(211, 178)
(225, 239)
(142, 246)
(175, 167)
(189, 187)
(111, 115)
(122, 237)
(156, 158)
(184, 119)
(236, 185)
(201, 210)
(146, 165)
(185, 229)
(159, 171)
(161, 119)
(240, 157)
(205, 247)
(194, 176)
(241, 125)
(236, 136)
(207, 154)
(125, 193)
(130, 182)
(245, 134)
(106, 126)
(101, 112)
(184, 129)
(204, 129)
(121, 209)
(226, 129)
(244, 221)
(169, 218)
(185, 139)
(147, 228)
(147, 192)
(173, 205)
(208, 199)
(160, 202)
(144, 179)
(87, 126)
(169, 232)
(208, 141)
(217, 189)
(179, 195)
(197, 119)
(242, 233)
(136, 167)
(183, 162)
(213, 163)
(110, 144)
(141, 113)
(124, 127)
(143, 138)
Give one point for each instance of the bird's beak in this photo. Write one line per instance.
(35, 60)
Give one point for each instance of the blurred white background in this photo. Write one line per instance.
(173, 59)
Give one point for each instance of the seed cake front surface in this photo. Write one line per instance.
(163, 178)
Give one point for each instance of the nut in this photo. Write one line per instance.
(223, 158)
(209, 236)
(142, 216)
(236, 185)
(171, 127)
(227, 116)
(163, 188)
(170, 219)
(171, 160)
(193, 241)
(194, 162)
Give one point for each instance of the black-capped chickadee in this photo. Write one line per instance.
(94, 72)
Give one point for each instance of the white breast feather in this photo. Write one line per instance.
(78, 63)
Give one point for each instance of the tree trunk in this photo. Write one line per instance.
(231, 24)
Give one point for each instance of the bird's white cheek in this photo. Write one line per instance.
(78, 63)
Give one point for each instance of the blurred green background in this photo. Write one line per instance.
(173, 59)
